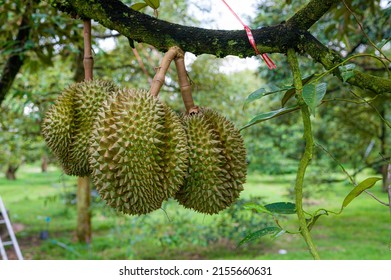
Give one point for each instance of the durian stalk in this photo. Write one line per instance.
(88, 61)
(184, 84)
(158, 80)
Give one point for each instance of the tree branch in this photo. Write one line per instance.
(329, 59)
(310, 14)
(273, 39)
(163, 35)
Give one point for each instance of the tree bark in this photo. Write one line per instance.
(10, 174)
(161, 34)
(16, 60)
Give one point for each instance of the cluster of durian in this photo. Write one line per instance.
(139, 152)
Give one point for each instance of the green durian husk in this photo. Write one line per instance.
(138, 152)
(68, 123)
(217, 163)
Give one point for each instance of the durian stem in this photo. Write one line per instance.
(88, 59)
(307, 155)
(158, 80)
(184, 84)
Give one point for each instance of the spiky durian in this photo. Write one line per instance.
(68, 123)
(217, 163)
(138, 152)
(174, 153)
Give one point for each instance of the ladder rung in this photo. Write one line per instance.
(11, 233)
(2, 222)
(8, 243)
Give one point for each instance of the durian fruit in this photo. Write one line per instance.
(138, 152)
(174, 154)
(68, 123)
(217, 163)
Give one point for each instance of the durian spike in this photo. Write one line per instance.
(158, 79)
(184, 84)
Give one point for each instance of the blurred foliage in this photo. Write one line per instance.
(349, 124)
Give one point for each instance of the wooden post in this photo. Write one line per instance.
(83, 231)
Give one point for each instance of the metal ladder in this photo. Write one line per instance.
(4, 219)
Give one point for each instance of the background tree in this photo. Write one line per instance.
(352, 127)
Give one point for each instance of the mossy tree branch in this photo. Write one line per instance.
(310, 13)
(279, 38)
(329, 59)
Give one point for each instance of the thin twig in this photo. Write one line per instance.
(362, 30)
(373, 196)
(347, 174)
(339, 164)
(373, 107)
(348, 100)
(141, 63)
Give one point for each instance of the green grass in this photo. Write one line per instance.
(362, 231)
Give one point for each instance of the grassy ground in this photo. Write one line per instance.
(362, 231)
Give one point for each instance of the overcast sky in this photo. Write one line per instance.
(224, 19)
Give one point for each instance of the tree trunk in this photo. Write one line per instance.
(44, 164)
(83, 231)
(10, 174)
(16, 60)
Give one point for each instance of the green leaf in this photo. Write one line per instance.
(288, 95)
(257, 234)
(313, 95)
(291, 92)
(311, 222)
(269, 115)
(347, 75)
(382, 43)
(259, 93)
(364, 185)
(321, 90)
(347, 71)
(281, 207)
(347, 67)
(256, 207)
(309, 96)
(278, 234)
(154, 4)
(138, 6)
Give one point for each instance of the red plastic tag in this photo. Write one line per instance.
(250, 37)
